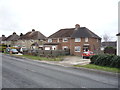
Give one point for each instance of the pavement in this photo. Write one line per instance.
(69, 61)
(26, 73)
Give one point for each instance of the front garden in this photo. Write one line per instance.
(105, 62)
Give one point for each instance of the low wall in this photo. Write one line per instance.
(49, 53)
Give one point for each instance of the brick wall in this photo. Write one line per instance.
(94, 45)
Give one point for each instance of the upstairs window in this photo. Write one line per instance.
(97, 40)
(65, 39)
(77, 39)
(58, 40)
(49, 40)
(86, 39)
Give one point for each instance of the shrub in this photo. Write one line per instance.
(106, 60)
(110, 50)
(93, 58)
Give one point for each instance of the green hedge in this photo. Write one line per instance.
(106, 60)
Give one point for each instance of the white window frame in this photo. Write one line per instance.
(86, 39)
(75, 49)
(97, 40)
(77, 39)
(49, 40)
(58, 40)
(63, 47)
(31, 40)
(47, 48)
(65, 39)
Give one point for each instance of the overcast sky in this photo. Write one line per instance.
(48, 16)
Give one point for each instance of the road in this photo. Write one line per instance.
(23, 73)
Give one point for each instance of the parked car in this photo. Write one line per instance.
(13, 51)
(8, 49)
(87, 54)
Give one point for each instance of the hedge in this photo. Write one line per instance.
(106, 60)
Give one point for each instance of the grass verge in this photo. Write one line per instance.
(41, 58)
(103, 68)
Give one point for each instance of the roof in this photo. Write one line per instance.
(84, 32)
(62, 33)
(118, 34)
(2, 38)
(12, 37)
(109, 44)
(73, 33)
(35, 35)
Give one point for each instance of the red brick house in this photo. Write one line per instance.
(76, 39)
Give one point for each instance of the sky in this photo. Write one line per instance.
(49, 16)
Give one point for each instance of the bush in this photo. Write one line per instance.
(93, 58)
(106, 60)
(110, 50)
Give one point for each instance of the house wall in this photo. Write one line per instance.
(94, 45)
(2, 42)
(8, 42)
(28, 43)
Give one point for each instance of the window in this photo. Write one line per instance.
(47, 48)
(65, 39)
(77, 39)
(86, 39)
(49, 40)
(97, 40)
(77, 48)
(58, 40)
(40, 40)
(32, 40)
(65, 47)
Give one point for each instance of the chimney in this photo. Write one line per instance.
(21, 34)
(14, 33)
(77, 26)
(3, 35)
(33, 30)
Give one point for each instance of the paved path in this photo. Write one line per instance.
(23, 73)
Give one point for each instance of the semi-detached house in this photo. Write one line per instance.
(76, 39)
(32, 40)
(11, 40)
(2, 39)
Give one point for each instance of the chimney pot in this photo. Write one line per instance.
(21, 34)
(14, 33)
(77, 26)
(3, 35)
(33, 29)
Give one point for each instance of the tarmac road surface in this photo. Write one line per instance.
(24, 73)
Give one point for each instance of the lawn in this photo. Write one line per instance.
(103, 68)
(41, 58)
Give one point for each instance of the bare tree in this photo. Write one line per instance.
(106, 37)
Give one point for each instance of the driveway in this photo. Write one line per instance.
(69, 61)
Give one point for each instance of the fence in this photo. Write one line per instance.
(48, 53)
